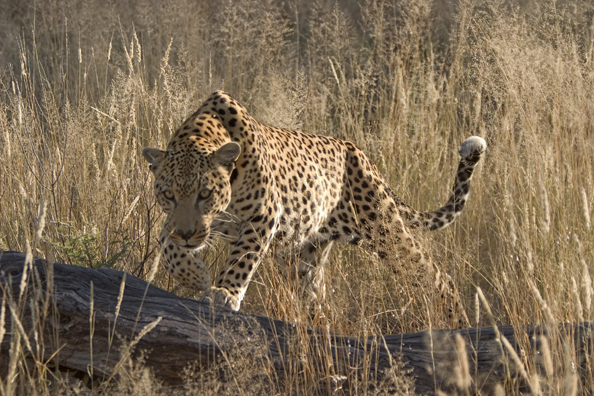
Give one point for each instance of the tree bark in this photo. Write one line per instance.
(187, 331)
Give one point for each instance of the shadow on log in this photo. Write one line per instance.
(178, 331)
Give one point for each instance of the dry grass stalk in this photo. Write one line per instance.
(547, 359)
(586, 208)
(462, 371)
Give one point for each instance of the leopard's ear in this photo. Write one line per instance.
(227, 154)
(153, 156)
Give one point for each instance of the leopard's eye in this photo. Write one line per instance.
(168, 194)
(204, 194)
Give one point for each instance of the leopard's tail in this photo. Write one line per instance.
(471, 152)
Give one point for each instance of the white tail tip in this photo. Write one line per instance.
(472, 145)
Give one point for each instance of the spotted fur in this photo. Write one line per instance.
(225, 174)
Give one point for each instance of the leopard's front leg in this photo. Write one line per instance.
(233, 280)
(184, 264)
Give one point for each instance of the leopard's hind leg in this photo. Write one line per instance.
(307, 263)
(312, 260)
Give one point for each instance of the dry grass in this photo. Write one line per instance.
(84, 86)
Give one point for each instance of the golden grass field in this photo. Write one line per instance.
(84, 86)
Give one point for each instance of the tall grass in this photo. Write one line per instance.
(84, 86)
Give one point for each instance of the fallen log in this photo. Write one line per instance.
(55, 302)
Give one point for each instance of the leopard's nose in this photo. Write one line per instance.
(185, 234)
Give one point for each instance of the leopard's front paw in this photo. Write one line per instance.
(220, 296)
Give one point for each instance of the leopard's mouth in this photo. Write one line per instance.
(195, 242)
(190, 246)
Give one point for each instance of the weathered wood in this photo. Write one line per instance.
(191, 331)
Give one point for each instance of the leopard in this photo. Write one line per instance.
(225, 175)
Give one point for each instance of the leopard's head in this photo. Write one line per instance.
(192, 184)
